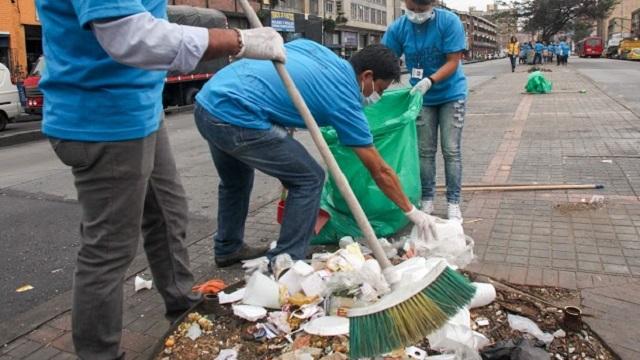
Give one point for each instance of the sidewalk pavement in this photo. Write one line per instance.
(534, 238)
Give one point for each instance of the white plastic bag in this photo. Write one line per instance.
(523, 324)
(457, 337)
(449, 242)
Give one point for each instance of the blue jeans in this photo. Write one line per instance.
(236, 153)
(449, 118)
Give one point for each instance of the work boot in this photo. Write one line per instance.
(454, 212)
(426, 206)
(244, 253)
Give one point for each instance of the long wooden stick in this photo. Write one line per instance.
(528, 187)
(327, 156)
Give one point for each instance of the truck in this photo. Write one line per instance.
(179, 89)
(629, 49)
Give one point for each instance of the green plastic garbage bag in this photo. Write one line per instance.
(393, 124)
(538, 84)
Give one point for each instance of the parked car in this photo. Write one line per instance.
(9, 98)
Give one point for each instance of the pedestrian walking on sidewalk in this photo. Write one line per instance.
(565, 50)
(538, 48)
(104, 118)
(242, 112)
(432, 41)
(513, 51)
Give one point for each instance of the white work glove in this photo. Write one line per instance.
(423, 222)
(262, 44)
(422, 86)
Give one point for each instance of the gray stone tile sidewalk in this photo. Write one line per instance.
(535, 238)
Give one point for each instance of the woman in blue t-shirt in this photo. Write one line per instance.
(432, 41)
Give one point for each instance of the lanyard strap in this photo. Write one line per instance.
(415, 43)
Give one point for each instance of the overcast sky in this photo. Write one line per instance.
(464, 4)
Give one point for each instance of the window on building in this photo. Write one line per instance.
(354, 11)
(384, 18)
(313, 7)
(328, 7)
(367, 14)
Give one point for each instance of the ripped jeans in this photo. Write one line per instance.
(449, 118)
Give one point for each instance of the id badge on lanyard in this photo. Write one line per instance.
(417, 73)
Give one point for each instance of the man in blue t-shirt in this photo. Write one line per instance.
(243, 111)
(106, 63)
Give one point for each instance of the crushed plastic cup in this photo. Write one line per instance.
(485, 295)
(235, 296)
(327, 326)
(249, 312)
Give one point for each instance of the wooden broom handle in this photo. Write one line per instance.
(327, 156)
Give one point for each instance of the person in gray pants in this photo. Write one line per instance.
(106, 65)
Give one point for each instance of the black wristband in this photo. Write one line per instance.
(432, 81)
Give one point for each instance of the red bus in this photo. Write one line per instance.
(591, 46)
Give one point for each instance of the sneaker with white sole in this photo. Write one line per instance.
(426, 206)
(454, 212)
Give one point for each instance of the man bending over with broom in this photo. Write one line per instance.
(243, 111)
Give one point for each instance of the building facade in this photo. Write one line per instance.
(482, 36)
(20, 36)
(619, 21)
(351, 25)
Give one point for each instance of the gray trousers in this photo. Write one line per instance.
(124, 188)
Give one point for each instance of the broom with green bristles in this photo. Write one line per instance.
(412, 310)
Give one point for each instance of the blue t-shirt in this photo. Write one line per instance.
(539, 47)
(425, 46)
(552, 48)
(249, 93)
(89, 96)
(564, 48)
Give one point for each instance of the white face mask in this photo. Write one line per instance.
(419, 18)
(371, 99)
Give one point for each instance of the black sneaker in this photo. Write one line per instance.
(244, 253)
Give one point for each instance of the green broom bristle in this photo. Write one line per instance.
(409, 322)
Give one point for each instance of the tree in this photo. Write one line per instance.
(550, 17)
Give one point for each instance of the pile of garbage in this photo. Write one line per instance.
(296, 310)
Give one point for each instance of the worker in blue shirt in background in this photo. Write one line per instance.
(106, 65)
(565, 50)
(243, 111)
(538, 47)
(432, 41)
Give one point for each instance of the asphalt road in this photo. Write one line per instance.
(39, 215)
(617, 78)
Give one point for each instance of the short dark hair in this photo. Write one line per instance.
(378, 58)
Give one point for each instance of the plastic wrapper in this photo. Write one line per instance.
(538, 84)
(525, 325)
(447, 241)
(457, 337)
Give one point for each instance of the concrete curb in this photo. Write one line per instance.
(21, 137)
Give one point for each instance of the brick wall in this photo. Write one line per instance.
(10, 22)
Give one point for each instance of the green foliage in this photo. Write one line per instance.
(550, 17)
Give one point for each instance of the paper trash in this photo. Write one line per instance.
(261, 290)
(449, 242)
(523, 324)
(194, 331)
(140, 283)
(227, 354)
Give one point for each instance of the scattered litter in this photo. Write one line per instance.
(280, 264)
(306, 311)
(235, 296)
(416, 353)
(227, 354)
(194, 331)
(583, 91)
(485, 295)
(139, 283)
(260, 264)
(457, 337)
(596, 200)
(263, 291)
(56, 271)
(607, 161)
(447, 240)
(24, 288)
(482, 322)
(344, 241)
(327, 326)
(313, 285)
(249, 312)
(521, 349)
(559, 333)
(525, 325)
